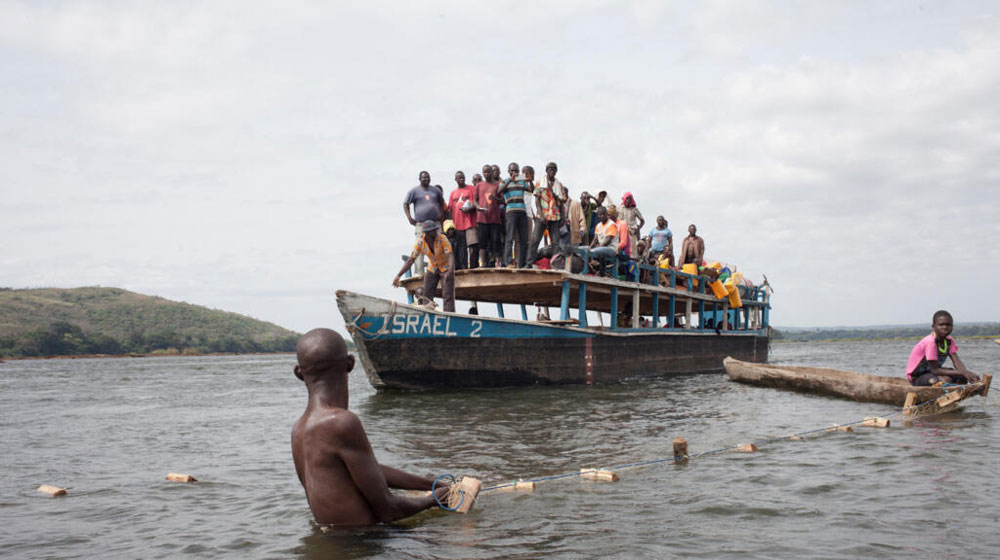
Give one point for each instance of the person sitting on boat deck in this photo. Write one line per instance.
(595, 204)
(515, 218)
(644, 257)
(925, 366)
(604, 245)
(441, 265)
(548, 194)
(633, 219)
(662, 241)
(462, 209)
(428, 204)
(624, 242)
(693, 248)
(344, 483)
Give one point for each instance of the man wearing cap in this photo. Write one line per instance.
(428, 204)
(440, 265)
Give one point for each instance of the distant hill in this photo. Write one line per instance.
(94, 320)
(990, 330)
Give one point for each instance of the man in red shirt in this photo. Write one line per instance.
(462, 207)
(488, 221)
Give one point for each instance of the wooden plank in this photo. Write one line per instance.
(519, 486)
(950, 398)
(635, 309)
(178, 477)
(680, 449)
(465, 496)
(875, 422)
(911, 398)
(747, 448)
(559, 321)
(53, 491)
(600, 475)
(987, 379)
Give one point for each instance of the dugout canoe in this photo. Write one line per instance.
(849, 384)
(644, 328)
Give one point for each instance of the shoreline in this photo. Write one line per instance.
(149, 355)
(860, 339)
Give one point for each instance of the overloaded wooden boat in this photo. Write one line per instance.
(855, 386)
(668, 323)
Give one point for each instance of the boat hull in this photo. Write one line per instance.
(839, 383)
(410, 347)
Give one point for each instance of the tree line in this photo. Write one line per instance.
(982, 330)
(62, 338)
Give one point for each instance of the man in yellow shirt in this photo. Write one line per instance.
(441, 265)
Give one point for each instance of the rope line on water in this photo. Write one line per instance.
(913, 409)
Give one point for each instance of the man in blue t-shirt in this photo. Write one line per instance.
(428, 204)
(661, 241)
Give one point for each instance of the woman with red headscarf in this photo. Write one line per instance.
(633, 219)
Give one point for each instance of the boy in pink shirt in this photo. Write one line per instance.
(925, 366)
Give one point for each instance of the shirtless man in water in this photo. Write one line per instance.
(344, 483)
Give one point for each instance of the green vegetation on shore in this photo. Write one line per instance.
(94, 320)
(968, 330)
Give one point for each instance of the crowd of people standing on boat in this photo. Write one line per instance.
(522, 221)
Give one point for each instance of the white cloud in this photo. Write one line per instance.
(254, 158)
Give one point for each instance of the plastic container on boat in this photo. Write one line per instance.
(734, 295)
(692, 269)
(719, 289)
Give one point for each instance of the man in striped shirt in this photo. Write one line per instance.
(516, 216)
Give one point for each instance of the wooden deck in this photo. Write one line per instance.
(545, 288)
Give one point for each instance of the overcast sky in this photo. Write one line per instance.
(253, 157)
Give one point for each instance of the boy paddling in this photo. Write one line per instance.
(926, 364)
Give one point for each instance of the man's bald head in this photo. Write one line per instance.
(322, 351)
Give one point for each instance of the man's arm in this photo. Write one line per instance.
(406, 210)
(961, 369)
(369, 477)
(449, 208)
(406, 266)
(396, 478)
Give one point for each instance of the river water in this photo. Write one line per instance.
(111, 429)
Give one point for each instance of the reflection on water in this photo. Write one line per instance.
(111, 429)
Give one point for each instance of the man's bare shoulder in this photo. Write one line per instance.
(336, 423)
